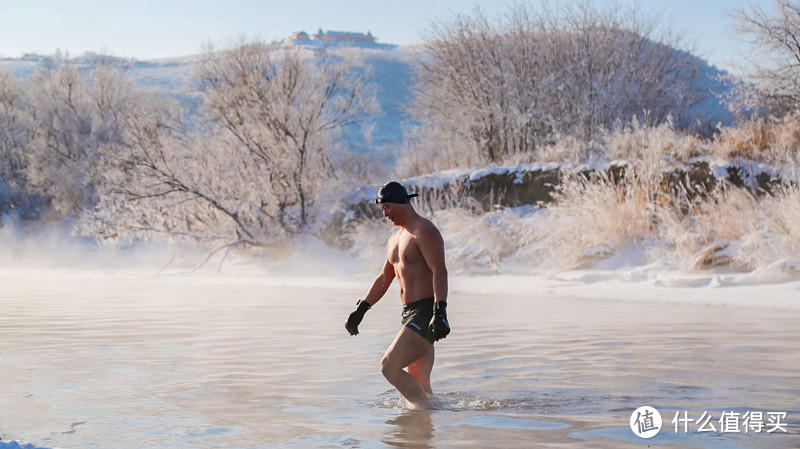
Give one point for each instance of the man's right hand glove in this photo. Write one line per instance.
(439, 325)
(355, 318)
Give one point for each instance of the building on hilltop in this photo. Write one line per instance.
(36, 57)
(325, 38)
(300, 36)
(344, 36)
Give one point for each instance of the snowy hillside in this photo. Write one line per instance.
(391, 69)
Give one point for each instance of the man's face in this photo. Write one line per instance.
(391, 211)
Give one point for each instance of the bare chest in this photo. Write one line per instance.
(404, 250)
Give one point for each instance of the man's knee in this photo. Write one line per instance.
(388, 369)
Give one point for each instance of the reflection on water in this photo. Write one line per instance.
(148, 362)
(411, 428)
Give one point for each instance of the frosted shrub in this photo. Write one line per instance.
(509, 86)
(773, 35)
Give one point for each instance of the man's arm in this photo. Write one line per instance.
(431, 246)
(376, 292)
(380, 284)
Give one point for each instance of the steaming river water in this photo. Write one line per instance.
(95, 361)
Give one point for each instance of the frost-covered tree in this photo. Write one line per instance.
(74, 115)
(15, 130)
(507, 86)
(12, 129)
(165, 179)
(245, 174)
(776, 66)
(286, 107)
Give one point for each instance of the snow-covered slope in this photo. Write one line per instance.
(391, 69)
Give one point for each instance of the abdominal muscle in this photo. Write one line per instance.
(416, 281)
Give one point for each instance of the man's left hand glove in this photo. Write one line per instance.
(355, 318)
(439, 325)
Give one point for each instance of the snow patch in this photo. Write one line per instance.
(18, 445)
(750, 171)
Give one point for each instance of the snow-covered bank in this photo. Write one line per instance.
(726, 290)
(18, 445)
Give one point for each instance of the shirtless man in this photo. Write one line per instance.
(415, 256)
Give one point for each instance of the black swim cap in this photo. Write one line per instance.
(393, 192)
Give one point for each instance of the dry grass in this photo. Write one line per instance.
(593, 217)
(568, 150)
(701, 233)
(478, 241)
(634, 141)
(729, 229)
(752, 232)
(769, 140)
(427, 151)
(766, 140)
(638, 141)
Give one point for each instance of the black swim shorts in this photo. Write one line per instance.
(417, 316)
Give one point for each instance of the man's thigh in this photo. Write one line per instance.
(407, 347)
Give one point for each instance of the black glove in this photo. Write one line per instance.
(439, 325)
(355, 318)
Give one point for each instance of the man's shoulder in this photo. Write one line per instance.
(427, 229)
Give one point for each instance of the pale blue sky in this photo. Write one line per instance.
(150, 29)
